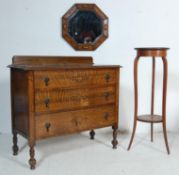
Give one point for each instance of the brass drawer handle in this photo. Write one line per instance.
(106, 115)
(46, 81)
(47, 101)
(106, 95)
(47, 126)
(107, 77)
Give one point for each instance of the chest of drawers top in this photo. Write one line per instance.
(55, 63)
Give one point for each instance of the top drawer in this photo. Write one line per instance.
(77, 78)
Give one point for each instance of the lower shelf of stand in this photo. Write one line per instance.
(150, 118)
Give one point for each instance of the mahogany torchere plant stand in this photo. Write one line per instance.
(152, 117)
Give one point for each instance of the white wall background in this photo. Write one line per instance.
(34, 28)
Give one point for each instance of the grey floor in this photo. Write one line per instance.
(78, 155)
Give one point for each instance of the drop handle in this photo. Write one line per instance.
(107, 77)
(46, 102)
(47, 126)
(46, 81)
(106, 115)
(106, 95)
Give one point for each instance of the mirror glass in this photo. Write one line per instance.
(85, 27)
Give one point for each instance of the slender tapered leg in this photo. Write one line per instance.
(92, 134)
(135, 100)
(165, 137)
(152, 132)
(165, 70)
(32, 160)
(114, 141)
(133, 133)
(153, 94)
(15, 147)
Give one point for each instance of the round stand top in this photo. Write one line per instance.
(152, 48)
(152, 51)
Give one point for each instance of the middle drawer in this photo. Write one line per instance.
(66, 99)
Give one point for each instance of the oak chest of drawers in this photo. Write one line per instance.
(52, 96)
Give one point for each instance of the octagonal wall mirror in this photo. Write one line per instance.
(85, 26)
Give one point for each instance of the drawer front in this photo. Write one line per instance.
(76, 78)
(74, 121)
(65, 99)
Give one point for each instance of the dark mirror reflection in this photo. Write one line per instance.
(85, 27)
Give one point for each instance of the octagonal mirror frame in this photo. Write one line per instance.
(88, 8)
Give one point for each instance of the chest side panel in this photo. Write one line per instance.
(19, 96)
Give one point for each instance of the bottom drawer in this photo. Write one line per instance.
(74, 121)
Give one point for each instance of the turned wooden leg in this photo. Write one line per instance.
(32, 160)
(114, 141)
(15, 147)
(92, 134)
